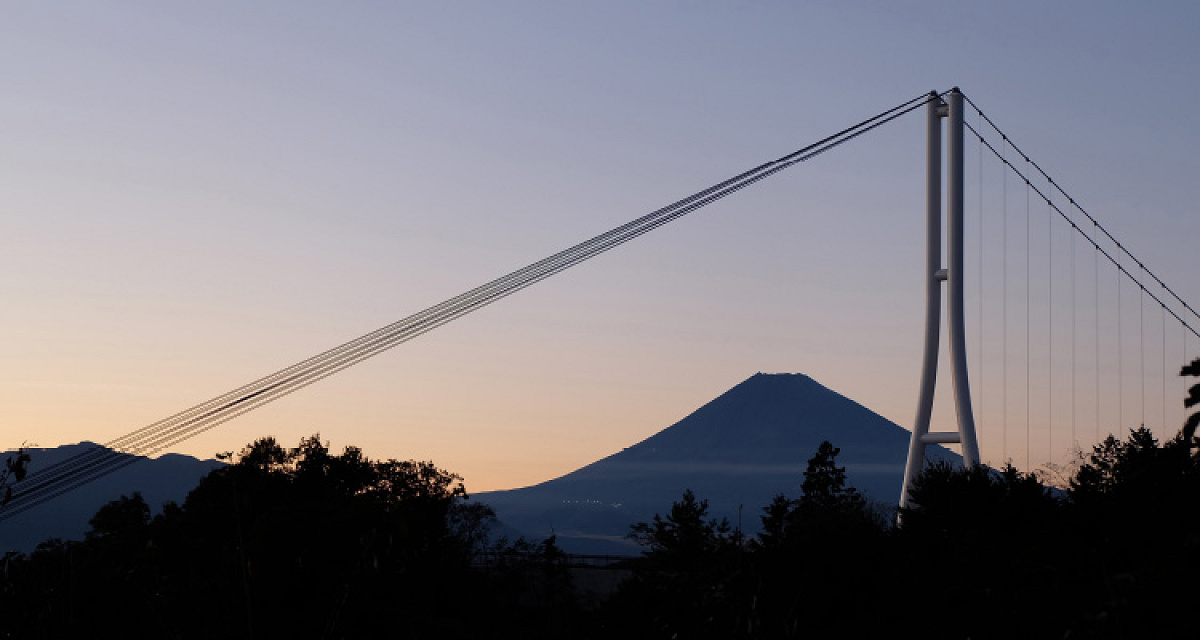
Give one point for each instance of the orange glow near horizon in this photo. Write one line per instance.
(196, 196)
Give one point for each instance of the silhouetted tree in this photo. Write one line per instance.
(775, 523)
(827, 507)
(683, 585)
(470, 524)
(1004, 531)
(1192, 369)
(299, 542)
(825, 482)
(979, 501)
(16, 466)
(1137, 506)
(125, 517)
(814, 558)
(686, 537)
(1137, 466)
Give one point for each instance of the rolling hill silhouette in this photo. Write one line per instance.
(739, 450)
(168, 477)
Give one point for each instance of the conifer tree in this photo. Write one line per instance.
(824, 484)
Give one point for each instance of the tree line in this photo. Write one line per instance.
(1112, 552)
(287, 543)
(305, 543)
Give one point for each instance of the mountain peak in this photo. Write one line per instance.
(737, 451)
(773, 415)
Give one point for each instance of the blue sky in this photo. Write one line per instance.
(196, 195)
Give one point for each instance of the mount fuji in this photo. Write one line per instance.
(738, 451)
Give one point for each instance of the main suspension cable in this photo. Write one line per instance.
(1080, 208)
(99, 461)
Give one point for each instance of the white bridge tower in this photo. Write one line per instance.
(949, 109)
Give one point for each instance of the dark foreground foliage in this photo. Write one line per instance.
(286, 543)
(301, 543)
(982, 553)
(13, 471)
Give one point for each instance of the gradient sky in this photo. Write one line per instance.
(195, 195)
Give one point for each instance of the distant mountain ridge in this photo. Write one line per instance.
(160, 480)
(738, 451)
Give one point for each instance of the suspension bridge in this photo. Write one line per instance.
(1058, 334)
